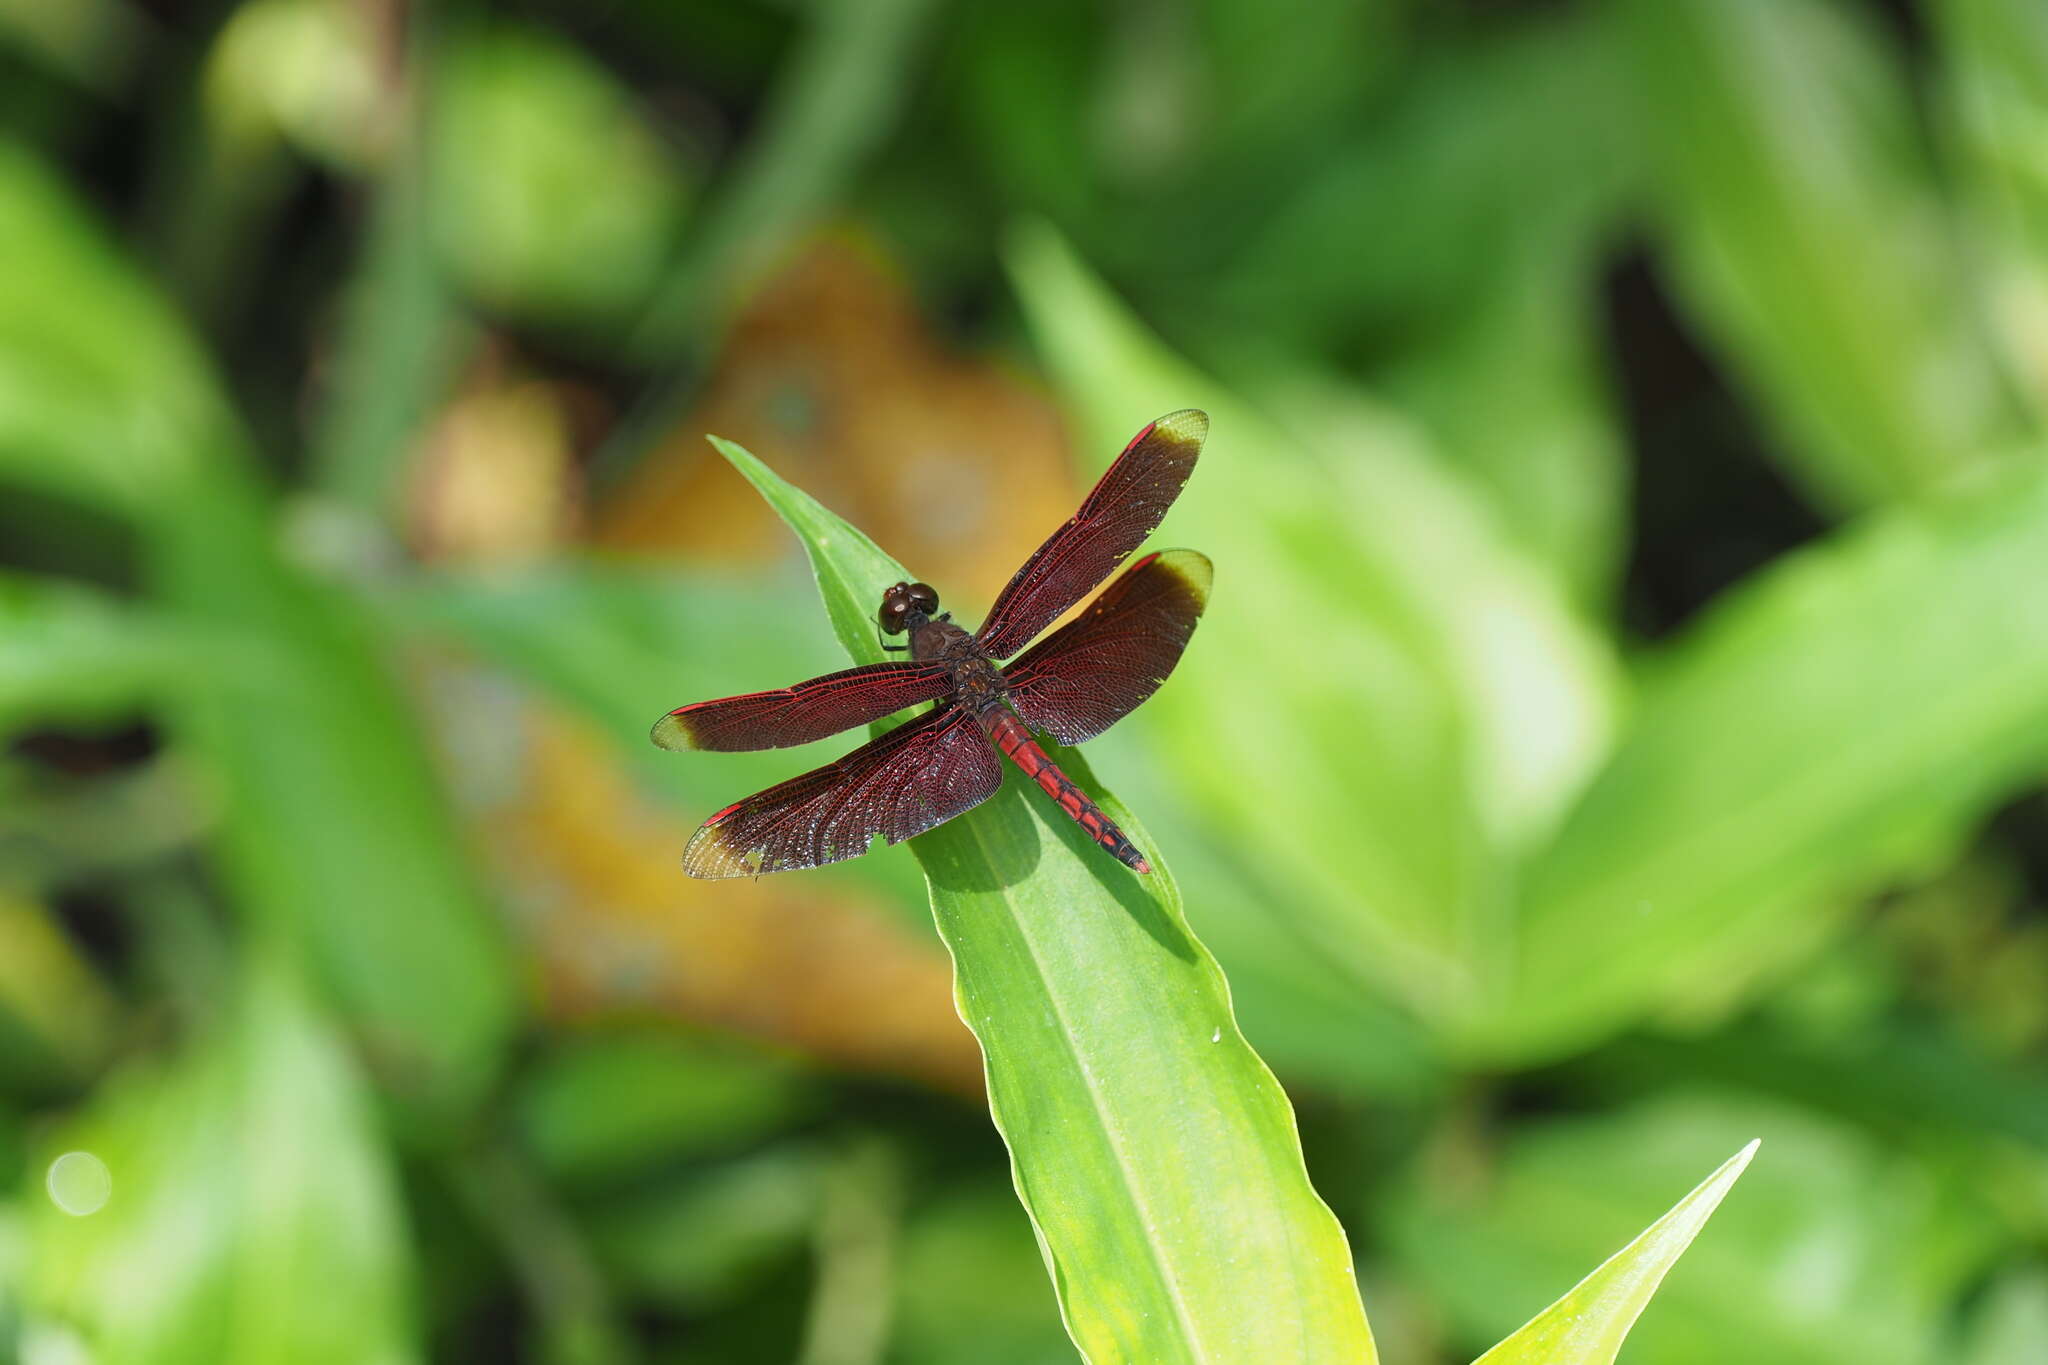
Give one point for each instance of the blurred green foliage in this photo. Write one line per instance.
(1616, 735)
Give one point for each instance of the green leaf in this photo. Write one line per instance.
(1995, 80)
(1501, 146)
(1772, 776)
(1154, 1151)
(1803, 219)
(397, 350)
(842, 90)
(333, 828)
(95, 43)
(1840, 1248)
(963, 1255)
(552, 199)
(1871, 1072)
(1588, 1325)
(1454, 702)
(603, 1109)
(57, 1016)
(1512, 391)
(1512, 156)
(2012, 1321)
(68, 652)
(252, 1216)
(851, 569)
(103, 397)
(708, 1232)
(1301, 1012)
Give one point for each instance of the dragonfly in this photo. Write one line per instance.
(1072, 685)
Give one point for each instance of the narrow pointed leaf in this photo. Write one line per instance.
(1153, 1150)
(1842, 1248)
(852, 570)
(1588, 1325)
(1771, 776)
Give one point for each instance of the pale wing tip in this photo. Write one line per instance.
(670, 733)
(1189, 424)
(1191, 567)
(710, 856)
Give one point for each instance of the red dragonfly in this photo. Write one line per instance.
(1072, 685)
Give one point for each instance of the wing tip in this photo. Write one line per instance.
(1190, 426)
(673, 733)
(711, 856)
(1191, 567)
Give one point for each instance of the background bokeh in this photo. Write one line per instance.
(1619, 731)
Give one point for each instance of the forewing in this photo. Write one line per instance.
(916, 776)
(1093, 671)
(797, 715)
(1127, 503)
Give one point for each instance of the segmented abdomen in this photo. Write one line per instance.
(1008, 734)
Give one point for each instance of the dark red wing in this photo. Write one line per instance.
(1090, 673)
(797, 715)
(1124, 507)
(916, 776)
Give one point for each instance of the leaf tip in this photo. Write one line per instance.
(751, 466)
(1736, 1164)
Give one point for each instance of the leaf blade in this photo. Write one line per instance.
(1099, 1013)
(1588, 1325)
(1807, 235)
(1770, 776)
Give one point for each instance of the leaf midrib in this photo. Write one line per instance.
(1088, 1083)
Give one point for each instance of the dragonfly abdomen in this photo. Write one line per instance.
(1009, 735)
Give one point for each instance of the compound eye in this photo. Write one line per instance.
(894, 606)
(923, 598)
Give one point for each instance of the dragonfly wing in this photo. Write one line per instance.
(1091, 672)
(1124, 507)
(796, 715)
(918, 775)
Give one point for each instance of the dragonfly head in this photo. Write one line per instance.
(907, 606)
